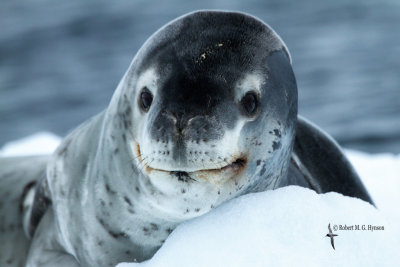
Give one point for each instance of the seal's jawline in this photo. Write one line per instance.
(236, 165)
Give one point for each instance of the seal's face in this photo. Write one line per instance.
(213, 110)
(192, 127)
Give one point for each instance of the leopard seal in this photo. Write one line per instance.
(207, 111)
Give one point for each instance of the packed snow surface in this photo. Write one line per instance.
(283, 227)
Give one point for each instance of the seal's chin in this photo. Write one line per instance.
(209, 174)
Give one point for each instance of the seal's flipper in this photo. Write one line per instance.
(36, 201)
(318, 162)
(16, 173)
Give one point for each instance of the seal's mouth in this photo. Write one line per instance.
(235, 167)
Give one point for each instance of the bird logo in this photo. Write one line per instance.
(331, 235)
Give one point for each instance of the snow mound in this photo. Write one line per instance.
(284, 227)
(288, 226)
(37, 144)
(381, 175)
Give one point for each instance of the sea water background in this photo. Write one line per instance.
(61, 61)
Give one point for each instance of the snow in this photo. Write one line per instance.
(37, 144)
(284, 227)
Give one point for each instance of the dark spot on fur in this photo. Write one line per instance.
(146, 231)
(102, 202)
(255, 142)
(154, 227)
(130, 210)
(109, 190)
(128, 111)
(258, 162)
(277, 132)
(84, 166)
(137, 189)
(197, 209)
(116, 150)
(219, 192)
(64, 149)
(276, 145)
(127, 252)
(263, 170)
(169, 230)
(100, 243)
(118, 235)
(100, 221)
(183, 191)
(128, 201)
(212, 206)
(124, 137)
(112, 233)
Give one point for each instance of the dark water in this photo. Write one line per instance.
(60, 61)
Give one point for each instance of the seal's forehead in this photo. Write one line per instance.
(205, 35)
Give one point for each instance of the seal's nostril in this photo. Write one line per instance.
(182, 120)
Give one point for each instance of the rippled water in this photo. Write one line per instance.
(60, 62)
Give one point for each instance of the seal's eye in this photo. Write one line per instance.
(146, 98)
(249, 103)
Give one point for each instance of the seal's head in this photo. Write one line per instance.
(208, 109)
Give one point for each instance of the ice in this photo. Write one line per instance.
(36, 144)
(284, 227)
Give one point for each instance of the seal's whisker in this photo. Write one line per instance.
(145, 165)
(142, 156)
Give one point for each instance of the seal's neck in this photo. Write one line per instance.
(122, 206)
